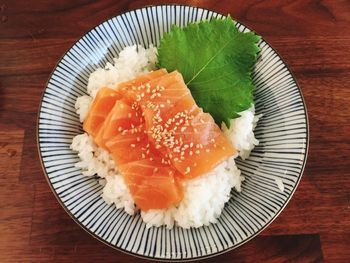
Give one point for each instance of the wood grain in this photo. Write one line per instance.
(313, 37)
(11, 143)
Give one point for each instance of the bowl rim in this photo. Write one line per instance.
(158, 258)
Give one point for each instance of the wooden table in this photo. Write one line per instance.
(313, 37)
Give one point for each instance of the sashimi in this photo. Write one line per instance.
(132, 89)
(152, 186)
(153, 183)
(157, 135)
(100, 108)
(121, 117)
(162, 90)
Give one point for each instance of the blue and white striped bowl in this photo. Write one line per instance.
(281, 154)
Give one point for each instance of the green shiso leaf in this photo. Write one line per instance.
(216, 61)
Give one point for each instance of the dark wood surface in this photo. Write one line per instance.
(313, 37)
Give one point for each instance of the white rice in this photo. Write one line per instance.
(82, 105)
(241, 132)
(204, 196)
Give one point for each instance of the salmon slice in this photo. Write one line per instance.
(100, 108)
(152, 186)
(121, 117)
(179, 129)
(131, 89)
(203, 147)
(162, 90)
(153, 183)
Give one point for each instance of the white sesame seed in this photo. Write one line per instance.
(207, 150)
(188, 169)
(132, 145)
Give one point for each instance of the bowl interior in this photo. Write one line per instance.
(280, 156)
